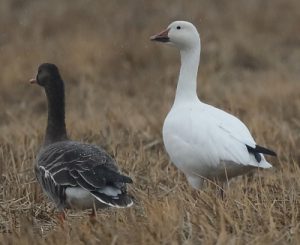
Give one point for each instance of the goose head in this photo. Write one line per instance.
(181, 34)
(47, 75)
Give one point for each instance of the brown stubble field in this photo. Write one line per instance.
(119, 88)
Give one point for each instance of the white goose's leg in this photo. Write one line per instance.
(195, 181)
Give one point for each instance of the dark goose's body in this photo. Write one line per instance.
(74, 174)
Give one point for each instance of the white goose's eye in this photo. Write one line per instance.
(178, 27)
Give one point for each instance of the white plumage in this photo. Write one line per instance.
(202, 141)
(79, 198)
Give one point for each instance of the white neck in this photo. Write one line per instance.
(187, 82)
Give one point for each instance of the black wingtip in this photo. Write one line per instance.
(128, 180)
(265, 150)
(260, 149)
(124, 179)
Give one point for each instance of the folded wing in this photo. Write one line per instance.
(73, 164)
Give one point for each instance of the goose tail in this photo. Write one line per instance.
(113, 199)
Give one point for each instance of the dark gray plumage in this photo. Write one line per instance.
(74, 174)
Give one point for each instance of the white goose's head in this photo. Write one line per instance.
(181, 34)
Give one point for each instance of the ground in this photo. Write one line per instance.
(119, 88)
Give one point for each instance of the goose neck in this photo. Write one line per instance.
(56, 127)
(187, 82)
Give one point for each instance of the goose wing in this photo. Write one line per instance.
(75, 164)
(231, 125)
(237, 144)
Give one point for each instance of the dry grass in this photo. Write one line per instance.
(119, 89)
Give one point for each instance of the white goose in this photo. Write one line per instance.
(202, 141)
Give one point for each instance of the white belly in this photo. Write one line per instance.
(78, 198)
(195, 164)
(179, 140)
(191, 150)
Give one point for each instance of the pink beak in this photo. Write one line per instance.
(32, 81)
(161, 37)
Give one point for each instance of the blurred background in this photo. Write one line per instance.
(120, 85)
(250, 54)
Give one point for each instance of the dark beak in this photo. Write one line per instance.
(161, 37)
(32, 81)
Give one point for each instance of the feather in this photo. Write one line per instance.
(120, 201)
(73, 164)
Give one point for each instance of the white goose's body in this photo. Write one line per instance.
(201, 140)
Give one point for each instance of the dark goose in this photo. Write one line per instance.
(74, 174)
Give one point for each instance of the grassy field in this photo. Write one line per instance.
(120, 87)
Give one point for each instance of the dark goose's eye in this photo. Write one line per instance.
(178, 27)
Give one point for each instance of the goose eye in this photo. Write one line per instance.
(178, 27)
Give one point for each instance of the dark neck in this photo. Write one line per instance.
(56, 127)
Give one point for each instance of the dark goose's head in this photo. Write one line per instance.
(49, 78)
(47, 75)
